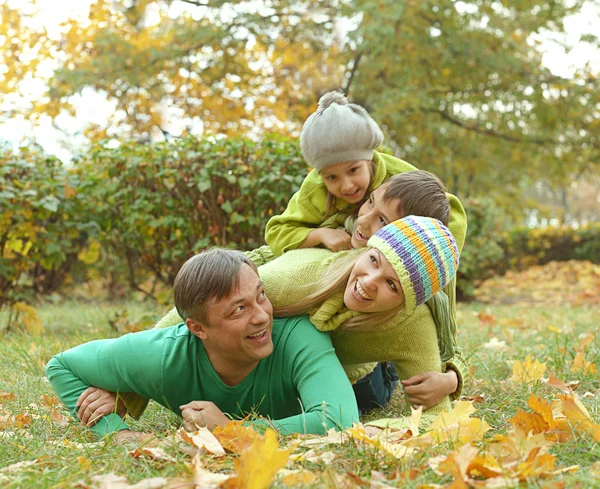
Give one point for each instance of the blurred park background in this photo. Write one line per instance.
(135, 133)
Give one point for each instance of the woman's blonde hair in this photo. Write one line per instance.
(334, 280)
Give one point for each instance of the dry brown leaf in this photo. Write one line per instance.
(235, 436)
(7, 396)
(257, 466)
(155, 453)
(528, 371)
(486, 319)
(203, 439)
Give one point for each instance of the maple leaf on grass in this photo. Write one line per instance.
(257, 466)
(235, 436)
(528, 371)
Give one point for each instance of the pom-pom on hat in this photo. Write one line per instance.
(423, 253)
(337, 132)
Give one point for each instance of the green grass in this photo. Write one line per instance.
(67, 455)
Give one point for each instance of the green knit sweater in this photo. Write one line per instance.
(306, 210)
(409, 340)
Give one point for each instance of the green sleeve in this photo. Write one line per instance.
(117, 365)
(305, 212)
(444, 317)
(325, 392)
(136, 404)
(457, 222)
(261, 255)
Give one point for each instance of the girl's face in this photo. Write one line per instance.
(373, 285)
(348, 181)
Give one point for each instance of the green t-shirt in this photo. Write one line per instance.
(301, 386)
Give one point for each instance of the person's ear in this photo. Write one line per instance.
(197, 328)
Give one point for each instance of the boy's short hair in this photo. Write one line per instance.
(214, 273)
(420, 193)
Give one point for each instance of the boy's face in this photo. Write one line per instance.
(373, 215)
(348, 181)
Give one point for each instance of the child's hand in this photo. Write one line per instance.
(93, 403)
(429, 388)
(334, 239)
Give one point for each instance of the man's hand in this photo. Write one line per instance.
(202, 413)
(429, 388)
(93, 403)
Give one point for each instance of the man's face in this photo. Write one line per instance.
(373, 215)
(238, 328)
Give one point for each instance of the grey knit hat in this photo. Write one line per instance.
(338, 131)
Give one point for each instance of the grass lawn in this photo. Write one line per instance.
(493, 337)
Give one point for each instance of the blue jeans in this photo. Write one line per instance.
(375, 390)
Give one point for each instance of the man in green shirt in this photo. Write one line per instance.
(229, 358)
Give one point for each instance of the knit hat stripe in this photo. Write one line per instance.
(413, 231)
(439, 273)
(450, 241)
(410, 258)
(423, 253)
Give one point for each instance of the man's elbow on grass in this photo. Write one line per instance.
(59, 377)
(339, 416)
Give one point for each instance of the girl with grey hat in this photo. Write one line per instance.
(339, 142)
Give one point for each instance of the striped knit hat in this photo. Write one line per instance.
(422, 251)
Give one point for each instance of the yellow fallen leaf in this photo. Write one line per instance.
(528, 371)
(580, 363)
(256, 467)
(578, 416)
(235, 436)
(294, 478)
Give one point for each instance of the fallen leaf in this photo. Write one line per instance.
(155, 453)
(202, 439)
(7, 396)
(486, 319)
(205, 479)
(528, 371)
(294, 478)
(235, 436)
(580, 363)
(256, 467)
(112, 481)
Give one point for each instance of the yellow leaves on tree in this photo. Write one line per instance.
(257, 466)
(27, 316)
(529, 371)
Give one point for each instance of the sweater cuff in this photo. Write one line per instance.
(458, 366)
(110, 423)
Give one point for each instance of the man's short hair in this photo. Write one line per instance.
(420, 193)
(212, 274)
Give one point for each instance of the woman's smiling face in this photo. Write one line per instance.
(373, 285)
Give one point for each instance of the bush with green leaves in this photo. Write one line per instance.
(158, 204)
(43, 224)
(483, 251)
